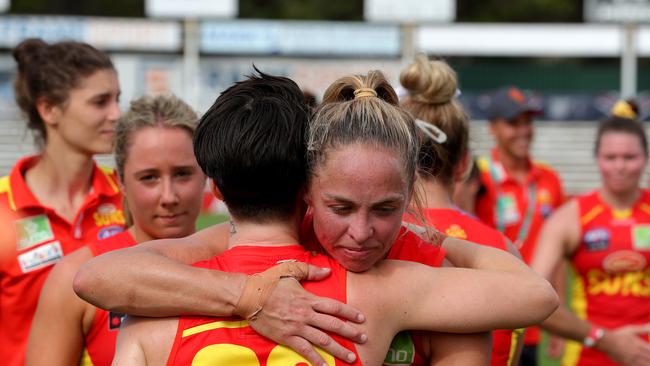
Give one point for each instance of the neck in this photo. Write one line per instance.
(620, 200)
(436, 194)
(61, 179)
(274, 233)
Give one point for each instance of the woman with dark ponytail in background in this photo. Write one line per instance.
(605, 235)
(59, 199)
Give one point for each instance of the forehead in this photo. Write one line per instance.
(620, 142)
(155, 145)
(363, 168)
(100, 81)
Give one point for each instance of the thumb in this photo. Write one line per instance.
(317, 273)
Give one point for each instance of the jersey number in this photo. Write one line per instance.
(232, 354)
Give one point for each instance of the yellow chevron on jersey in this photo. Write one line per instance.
(109, 173)
(5, 187)
(589, 216)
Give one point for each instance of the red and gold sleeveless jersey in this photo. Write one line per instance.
(231, 341)
(460, 225)
(41, 239)
(100, 340)
(612, 284)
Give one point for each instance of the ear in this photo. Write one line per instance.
(306, 196)
(215, 190)
(49, 112)
(460, 170)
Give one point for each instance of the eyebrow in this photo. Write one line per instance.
(393, 199)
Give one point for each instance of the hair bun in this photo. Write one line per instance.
(28, 50)
(432, 82)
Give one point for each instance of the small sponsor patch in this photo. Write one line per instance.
(596, 239)
(401, 351)
(456, 231)
(546, 210)
(641, 237)
(115, 320)
(507, 209)
(32, 231)
(42, 256)
(107, 232)
(624, 261)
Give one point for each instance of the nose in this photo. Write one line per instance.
(360, 229)
(169, 195)
(114, 112)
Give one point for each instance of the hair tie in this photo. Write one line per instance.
(364, 93)
(433, 132)
(623, 109)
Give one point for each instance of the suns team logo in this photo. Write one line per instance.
(456, 231)
(107, 214)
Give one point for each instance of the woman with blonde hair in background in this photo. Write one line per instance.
(162, 185)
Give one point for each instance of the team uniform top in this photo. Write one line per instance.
(458, 224)
(100, 341)
(612, 285)
(518, 210)
(231, 341)
(42, 239)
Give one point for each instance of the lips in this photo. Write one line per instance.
(171, 218)
(358, 253)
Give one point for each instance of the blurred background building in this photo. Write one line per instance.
(576, 56)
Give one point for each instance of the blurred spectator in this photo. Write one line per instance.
(519, 193)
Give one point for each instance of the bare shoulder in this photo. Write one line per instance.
(66, 269)
(566, 220)
(153, 336)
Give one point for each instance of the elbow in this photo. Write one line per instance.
(88, 286)
(546, 301)
(82, 283)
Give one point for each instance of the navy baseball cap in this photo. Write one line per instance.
(509, 102)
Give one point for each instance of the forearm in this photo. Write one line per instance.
(464, 254)
(140, 281)
(564, 323)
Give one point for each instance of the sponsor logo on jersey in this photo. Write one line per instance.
(33, 230)
(401, 351)
(456, 231)
(507, 209)
(107, 214)
(115, 320)
(641, 237)
(624, 261)
(107, 232)
(636, 283)
(596, 239)
(42, 256)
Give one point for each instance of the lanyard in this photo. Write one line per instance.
(500, 213)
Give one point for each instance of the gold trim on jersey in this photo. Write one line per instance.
(592, 214)
(572, 348)
(5, 187)
(214, 325)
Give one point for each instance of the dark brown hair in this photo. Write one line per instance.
(432, 86)
(50, 71)
(625, 125)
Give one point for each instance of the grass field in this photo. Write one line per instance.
(206, 220)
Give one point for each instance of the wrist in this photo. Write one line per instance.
(592, 338)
